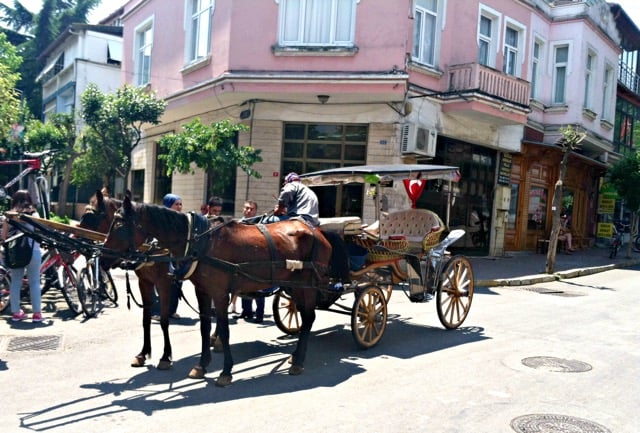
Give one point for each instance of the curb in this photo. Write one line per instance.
(546, 278)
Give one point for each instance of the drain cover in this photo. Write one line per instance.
(43, 342)
(545, 291)
(558, 365)
(547, 423)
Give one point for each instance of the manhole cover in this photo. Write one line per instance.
(547, 423)
(24, 344)
(549, 363)
(546, 291)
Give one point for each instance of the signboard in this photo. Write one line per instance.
(605, 230)
(504, 171)
(606, 205)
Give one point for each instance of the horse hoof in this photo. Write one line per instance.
(138, 361)
(197, 372)
(164, 365)
(296, 370)
(224, 380)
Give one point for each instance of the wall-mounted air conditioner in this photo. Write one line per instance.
(418, 141)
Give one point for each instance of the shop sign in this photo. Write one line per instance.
(504, 171)
(605, 230)
(606, 205)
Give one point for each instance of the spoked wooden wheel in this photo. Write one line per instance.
(369, 317)
(381, 277)
(285, 313)
(455, 292)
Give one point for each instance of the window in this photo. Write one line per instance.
(311, 147)
(536, 69)
(560, 65)
(143, 47)
(199, 17)
(513, 52)
(425, 34)
(488, 27)
(607, 90)
(589, 80)
(317, 22)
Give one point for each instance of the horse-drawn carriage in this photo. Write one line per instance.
(404, 249)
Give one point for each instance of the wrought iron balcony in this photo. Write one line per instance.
(628, 78)
(477, 78)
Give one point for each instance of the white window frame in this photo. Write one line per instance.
(555, 67)
(537, 67)
(514, 54)
(608, 86)
(426, 48)
(296, 20)
(198, 26)
(142, 77)
(590, 65)
(492, 40)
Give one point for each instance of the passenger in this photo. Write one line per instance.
(248, 213)
(296, 199)
(565, 232)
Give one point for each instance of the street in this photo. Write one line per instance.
(513, 358)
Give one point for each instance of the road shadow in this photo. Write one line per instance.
(261, 369)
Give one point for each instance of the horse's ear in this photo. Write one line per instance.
(128, 193)
(99, 199)
(126, 204)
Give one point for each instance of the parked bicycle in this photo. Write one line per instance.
(619, 229)
(37, 184)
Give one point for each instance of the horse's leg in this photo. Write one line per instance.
(146, 293)
(204, 306)
(163, 287)
(221, 302)
(307, 310)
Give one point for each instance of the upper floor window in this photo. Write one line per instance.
(536, 68)
(425, 34)
(589, 79)
(488, 28)
(317, 22)
(560, 71)
(513, 52)
(143, 48)
(607, 92)
(198, 26)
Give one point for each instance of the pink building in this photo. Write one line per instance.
(345, 82)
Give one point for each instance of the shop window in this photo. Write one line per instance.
(537, 213)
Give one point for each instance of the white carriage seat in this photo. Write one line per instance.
(351, 225)
(412, 224)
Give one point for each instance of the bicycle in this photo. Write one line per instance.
(619, 229)
(95, 283)
(56, 270)
(37, 183)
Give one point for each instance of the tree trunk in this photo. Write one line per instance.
(556, 206)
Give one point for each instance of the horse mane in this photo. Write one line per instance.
(167, 219)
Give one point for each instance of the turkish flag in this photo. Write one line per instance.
(414, 189)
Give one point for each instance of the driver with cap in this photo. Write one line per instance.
(296, 199)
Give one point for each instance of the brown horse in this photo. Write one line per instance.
(149, 275)
(232, 257)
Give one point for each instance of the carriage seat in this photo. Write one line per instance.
(342, 225)
(420, 227)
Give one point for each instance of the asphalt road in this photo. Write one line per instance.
(561, 353)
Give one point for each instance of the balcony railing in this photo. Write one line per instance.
(629, 78)
(476, 77)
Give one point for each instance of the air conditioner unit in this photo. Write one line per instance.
(418, 141)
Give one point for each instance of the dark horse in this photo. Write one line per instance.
(232, 257)
(150, 275)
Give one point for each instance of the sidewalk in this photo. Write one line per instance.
(523, 268)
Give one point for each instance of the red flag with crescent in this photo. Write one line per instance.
(414, 188)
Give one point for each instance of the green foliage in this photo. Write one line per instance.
(210, 148)
(9, 98)
(625, 177)
(115, 121)
(60, 219)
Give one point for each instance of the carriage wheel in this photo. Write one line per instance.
(383, 278)
(369, 317)
(455, 292)
(285, 313)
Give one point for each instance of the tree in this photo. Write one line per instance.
(116, 122)
(9, 98)
(570, 141)
(57, 134)
(210, 148)
(625, 178)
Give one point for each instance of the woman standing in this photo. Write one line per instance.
(21, 202)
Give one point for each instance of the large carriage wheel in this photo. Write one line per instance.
(369, 317)
(381, 277)
(285, 313)
(455, 292)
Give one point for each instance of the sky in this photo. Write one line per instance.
(631, 7)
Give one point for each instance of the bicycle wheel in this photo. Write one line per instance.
(5, 283)
(108, 287)
(615, 246)
(69, 288)
(88, 291)
(636, 243)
